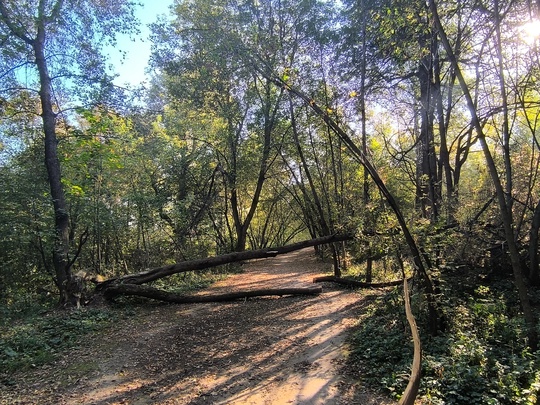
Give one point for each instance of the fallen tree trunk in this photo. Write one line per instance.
(355, 283)
(150, 292)
(200, 264)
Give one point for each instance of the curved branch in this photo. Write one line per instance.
(13, 68)
(410, 393)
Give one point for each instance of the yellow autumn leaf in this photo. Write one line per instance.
(77, 191)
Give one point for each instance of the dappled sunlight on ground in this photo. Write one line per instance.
(286, 350)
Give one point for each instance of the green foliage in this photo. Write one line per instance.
(196, 280)
(39, 338)
(480, 360)
(24, 216)
(76, 35)
(219, 162)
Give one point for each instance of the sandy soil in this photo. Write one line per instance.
(289, 350)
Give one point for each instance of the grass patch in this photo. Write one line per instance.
(40, 338)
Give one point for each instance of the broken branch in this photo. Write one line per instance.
(355, 283)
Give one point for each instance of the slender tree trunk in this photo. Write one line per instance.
(242, 226)
(337, 262)
(363, 120)
(444, 154)
(504, 100)
(534, 274)
(61, 217)
(427, 167)
(325, 228)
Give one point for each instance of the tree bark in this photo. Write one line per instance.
(355, 283)
(200, 264)
(410, 393)
(61, 218)
(62, 266)
(534, 274)
(428, 190)
(154, 293)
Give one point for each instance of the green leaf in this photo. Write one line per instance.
(10, 352)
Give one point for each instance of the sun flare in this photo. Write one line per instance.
(531, 31)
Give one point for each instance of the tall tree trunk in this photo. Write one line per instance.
(444, 154)
(363, 121)
(61, 218)
(427, 166)
(504, 100)
(62, 265)
(337, 262)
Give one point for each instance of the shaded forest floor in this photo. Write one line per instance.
(289, 350)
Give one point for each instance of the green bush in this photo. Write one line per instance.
(481, 359)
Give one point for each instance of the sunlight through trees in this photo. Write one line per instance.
(412, 125)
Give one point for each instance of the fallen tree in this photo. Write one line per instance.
(355, 283)
(127, 285)
(154, 293)
(208, 262)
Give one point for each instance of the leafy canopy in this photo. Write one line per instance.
(75, 35)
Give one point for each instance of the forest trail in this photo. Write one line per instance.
(289, 350)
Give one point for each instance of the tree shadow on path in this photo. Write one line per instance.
(286, 350)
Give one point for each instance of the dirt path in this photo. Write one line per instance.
(287, 350)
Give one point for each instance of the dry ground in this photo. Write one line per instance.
(288, 350)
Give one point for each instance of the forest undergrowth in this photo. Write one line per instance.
(479, 359)
(34, 331)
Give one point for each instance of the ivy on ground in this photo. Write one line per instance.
(481, 358)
